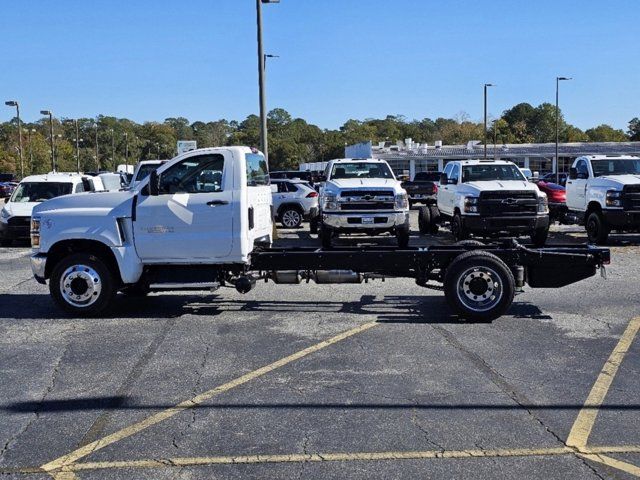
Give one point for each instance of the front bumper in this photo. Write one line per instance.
(482, 224)
(10, 232)
(358, 221)
(38, 266)
(622, 218)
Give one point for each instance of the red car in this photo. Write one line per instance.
(7, 188)
(557, 196)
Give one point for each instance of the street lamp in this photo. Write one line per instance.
(486, 86)
(113, 148)
(261, 81)
(97, 156)
(558, 80)
(14, 103)
(126, 152)
(53, 158)
(30, 132)
(75, 122)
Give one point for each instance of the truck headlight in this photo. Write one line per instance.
(614, 198)
(543, 204)
(471, 205)
(35, 232)
(4, 213)
(401, 201)
(330, 202)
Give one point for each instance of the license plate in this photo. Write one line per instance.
(367, 220)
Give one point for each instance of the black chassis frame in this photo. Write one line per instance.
(549, 267)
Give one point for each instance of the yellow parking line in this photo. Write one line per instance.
(348, 457)
(82, 452)
(581, 428)
(612, 462)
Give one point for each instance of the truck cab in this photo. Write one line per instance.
(362, 196)
(491, 198)
(603, 193)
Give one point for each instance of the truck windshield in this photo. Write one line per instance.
(616, 166)
(361, 170)
(257, 171)
(40, 191)
(486, 173)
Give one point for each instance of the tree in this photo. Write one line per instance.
(606, 133)
(634, 129)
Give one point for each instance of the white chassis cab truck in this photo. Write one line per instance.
(489, 198)
(603, 193)
(204, 220)
(362, 196)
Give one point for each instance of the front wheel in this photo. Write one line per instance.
(479, 286)
(597, 229)
(539, 237)
(458, 229)
(403, 234)
(82, 284)
(424, 220)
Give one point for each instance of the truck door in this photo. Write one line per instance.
(577, 187)
(191, 218)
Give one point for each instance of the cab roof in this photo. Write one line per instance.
(54, 177)
(607, 157)
(489, 161)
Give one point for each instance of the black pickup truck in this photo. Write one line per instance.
(423, 188)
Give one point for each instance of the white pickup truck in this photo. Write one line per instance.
(204, 220)
(603, 193)
(490, 198)
(362, 196)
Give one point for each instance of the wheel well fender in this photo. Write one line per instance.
(64, 248)
(593, 207)
(290, 205)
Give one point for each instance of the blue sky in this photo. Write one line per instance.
(339, 59)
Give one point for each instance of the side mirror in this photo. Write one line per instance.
(443, 179)
(154, 183)
(573, 173)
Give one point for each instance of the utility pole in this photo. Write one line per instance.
(558, 80)
(53, 158)
(14, 103)
(486, 85)
(126, 152)
(97, 157)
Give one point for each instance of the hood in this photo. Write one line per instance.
(20, 209)
(490, 185)
(92, 202)
(621, 179)
(365, 183)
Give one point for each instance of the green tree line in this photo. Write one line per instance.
(291, 140)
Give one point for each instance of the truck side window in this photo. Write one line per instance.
(455, 174)
(202, 174)
(582, 169)
(447, 169)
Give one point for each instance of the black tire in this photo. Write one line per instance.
(402, 235)
(326, 236)
(539, 237)
(458, 229)
(291, 217)
(92, 274)
(597, 229)
(424, 220)
(492, 293)
(435, 219)
(313, 225)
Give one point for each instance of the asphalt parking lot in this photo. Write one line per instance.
(333, 381)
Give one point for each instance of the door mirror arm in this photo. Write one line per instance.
(154, 183)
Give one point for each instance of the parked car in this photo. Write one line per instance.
(362, 196)
(7, 177)
(603, 193)
(488, 198)
(7, 188)
(15, 216)
(551, 177)
(293, 202)
(557, 197)
(423, 188)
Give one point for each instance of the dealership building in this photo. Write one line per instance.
(408, 158)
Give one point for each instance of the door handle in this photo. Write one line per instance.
(214, 203)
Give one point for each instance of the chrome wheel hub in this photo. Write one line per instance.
(479, 289)
(80, 285)
(291, 218)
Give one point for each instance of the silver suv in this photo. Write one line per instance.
(293, 202)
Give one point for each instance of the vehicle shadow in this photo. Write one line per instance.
(579, 237)
(388, 309)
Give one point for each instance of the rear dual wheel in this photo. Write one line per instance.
(428, 220)
(479, 286)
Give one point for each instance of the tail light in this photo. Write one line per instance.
(312, 194)
(435, 188)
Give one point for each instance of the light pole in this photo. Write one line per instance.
(53, 158)
(126, 153)
(486, 86)
(55, 146)
(261, 81)
(75, 122)
(558, 80)
(113, 149)
(14, 103)
(97, 157)
(30, 132)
